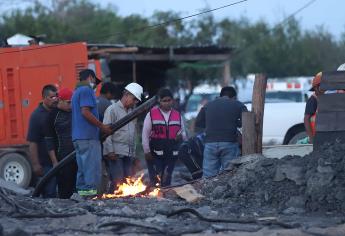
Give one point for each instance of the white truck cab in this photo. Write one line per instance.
(288, 90)
(284, 110)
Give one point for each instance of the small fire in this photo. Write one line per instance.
(132, 188)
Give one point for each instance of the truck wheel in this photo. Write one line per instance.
(297, 136)
(15, 168)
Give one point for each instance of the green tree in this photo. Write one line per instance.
(283, 50)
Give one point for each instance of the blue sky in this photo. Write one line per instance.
(328, 13)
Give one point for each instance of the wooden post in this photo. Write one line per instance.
(248, 133)
(258, 106)
(226, 73)
(134, 71)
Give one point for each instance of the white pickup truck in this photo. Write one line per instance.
(284, 110)
(283, 123)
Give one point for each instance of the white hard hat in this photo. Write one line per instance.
(341, 67)
(135, 89)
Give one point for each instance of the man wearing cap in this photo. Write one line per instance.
(311, 107)
(58, 136)
(119, 148)
(85, 134)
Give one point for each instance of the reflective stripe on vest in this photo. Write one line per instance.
(312, 124)
(313, 120)
(160, 128)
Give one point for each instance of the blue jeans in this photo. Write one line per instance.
(118, 170)
(89, 161)
(217, 156)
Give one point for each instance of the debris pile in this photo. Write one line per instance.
(259, 196)
(293, 184)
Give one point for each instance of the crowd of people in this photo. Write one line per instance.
(67, 121)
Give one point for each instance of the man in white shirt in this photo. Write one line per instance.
(119, 148)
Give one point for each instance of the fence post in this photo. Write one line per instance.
(248, 133)
(258, 106)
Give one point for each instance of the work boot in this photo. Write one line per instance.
(87, 194)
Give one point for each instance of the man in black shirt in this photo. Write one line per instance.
(221, 118)
(311, 107)
(58, 135)
(108, 92)
(40, 160)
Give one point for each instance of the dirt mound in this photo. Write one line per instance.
(264, 196)
(293, 184)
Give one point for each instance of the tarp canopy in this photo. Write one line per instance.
(19, 39)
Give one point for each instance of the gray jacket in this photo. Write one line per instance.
(122, 142)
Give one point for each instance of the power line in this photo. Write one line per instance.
(174, 20)
(147, 27)
(284, 21)
(295, 13)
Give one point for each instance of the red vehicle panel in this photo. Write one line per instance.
(23, 73)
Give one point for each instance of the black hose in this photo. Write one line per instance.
(234, 220)
(201, 217)
(134, 224)
(52, 172)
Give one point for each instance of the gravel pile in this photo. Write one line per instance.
(293, 184)
(259, 196)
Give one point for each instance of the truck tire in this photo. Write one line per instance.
(15, 167)
(297, 136)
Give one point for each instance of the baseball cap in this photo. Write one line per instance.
(316, 81)
(84, 74)
(65, 94)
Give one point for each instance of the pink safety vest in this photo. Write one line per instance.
(162, 129)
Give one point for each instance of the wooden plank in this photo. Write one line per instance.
(259, 92)
(330, 121)
(93, 51)
(167, 57)
(331, 102)
(114, 50)
(248, 133)
(188, 193)
(333, 80)
(280, 151)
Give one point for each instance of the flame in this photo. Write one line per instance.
(154, 193)
(132, 187)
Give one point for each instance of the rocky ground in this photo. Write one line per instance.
(259, 196)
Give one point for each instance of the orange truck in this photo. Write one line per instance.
(23, 73)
